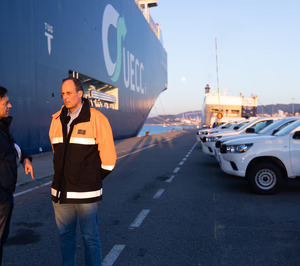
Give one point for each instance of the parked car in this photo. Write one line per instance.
(205, 131)
(233, 125)
(266, 161)
(269, 130)
(209, 142)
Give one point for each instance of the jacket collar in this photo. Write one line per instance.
(84, 115)
(5, 125)
(6, 121)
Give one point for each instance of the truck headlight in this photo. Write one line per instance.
(238, 148)
(212, 139)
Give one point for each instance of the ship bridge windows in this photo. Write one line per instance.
(100, 94)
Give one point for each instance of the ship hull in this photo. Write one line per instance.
(108, 42)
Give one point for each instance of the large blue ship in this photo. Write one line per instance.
(113, 47)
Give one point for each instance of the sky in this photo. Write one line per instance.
(258, 51)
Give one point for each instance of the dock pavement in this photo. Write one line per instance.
(166, 203)
(43, 163)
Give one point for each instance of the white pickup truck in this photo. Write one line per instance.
(209, 142)
(269, 130)
(230, 125)
(206, 131)
(266, 161)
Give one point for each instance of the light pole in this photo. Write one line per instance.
(293, 106)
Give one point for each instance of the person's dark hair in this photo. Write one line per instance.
(77, 83)
(3, 92)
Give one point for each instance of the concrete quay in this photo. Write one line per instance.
(166, 204)
(43, 163)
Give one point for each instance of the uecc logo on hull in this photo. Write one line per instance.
(133, 70)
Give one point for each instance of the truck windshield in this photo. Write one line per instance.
(246, 125)
(269, 129)
(288, 129)
(240, 124)
(261, 125)
(227, 125)
(253, 123)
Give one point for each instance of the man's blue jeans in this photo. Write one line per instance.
(66, 216)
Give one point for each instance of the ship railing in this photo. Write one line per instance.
(102, 96)
(154, 26)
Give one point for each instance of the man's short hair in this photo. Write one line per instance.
(77, 83)
(3, 92)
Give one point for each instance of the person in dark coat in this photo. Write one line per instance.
(9, 153)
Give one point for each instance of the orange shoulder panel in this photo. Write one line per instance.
(104, 139)
(55, 132)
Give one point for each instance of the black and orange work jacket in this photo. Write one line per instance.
(82, 158)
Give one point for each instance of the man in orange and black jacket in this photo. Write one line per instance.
(84, 154)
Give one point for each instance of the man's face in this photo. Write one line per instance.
(71, 97)
(5, 107)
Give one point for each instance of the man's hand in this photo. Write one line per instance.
(29, 168)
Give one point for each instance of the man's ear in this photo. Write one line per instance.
(80, 93)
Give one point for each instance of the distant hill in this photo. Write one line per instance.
(190, 114)
(274, 108)
(265, 109)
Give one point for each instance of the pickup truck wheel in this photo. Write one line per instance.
(265, 178)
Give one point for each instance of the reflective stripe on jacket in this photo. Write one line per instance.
(83, 158)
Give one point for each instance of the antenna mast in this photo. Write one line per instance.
(219, 115)
(217, 67)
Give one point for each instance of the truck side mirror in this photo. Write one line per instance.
(250, 130)
(296, 135)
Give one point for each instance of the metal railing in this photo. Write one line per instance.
(154, 26)
(102, 96)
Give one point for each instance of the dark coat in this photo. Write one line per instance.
(8, 163)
